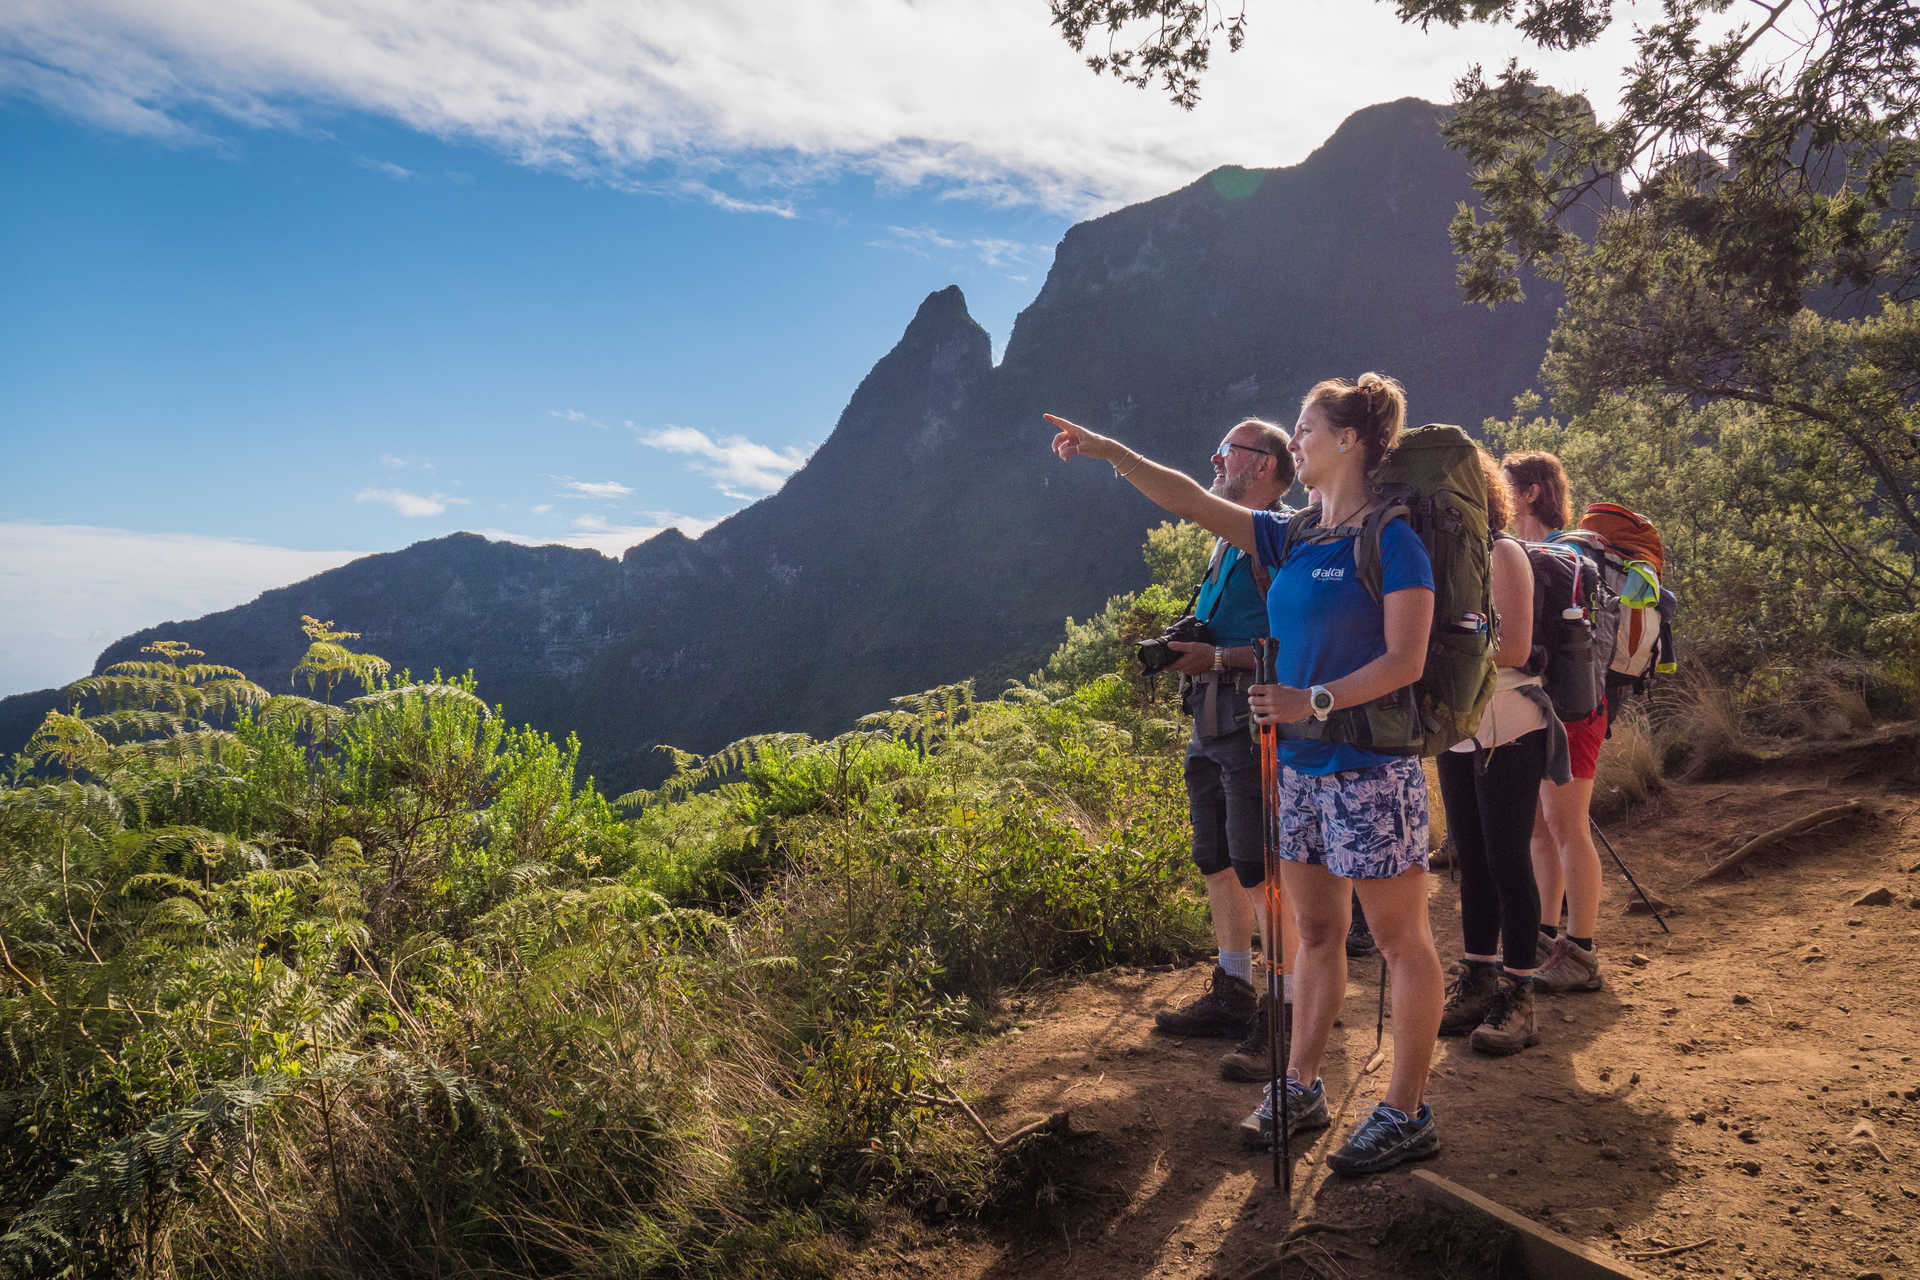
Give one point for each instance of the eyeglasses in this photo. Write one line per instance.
(1226, 447)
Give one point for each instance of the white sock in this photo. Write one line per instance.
(1238, 964)
(1286, 987)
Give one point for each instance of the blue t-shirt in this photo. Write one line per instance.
(1230, 602)
(1327, 624)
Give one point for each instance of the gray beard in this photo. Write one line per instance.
(1224, 487)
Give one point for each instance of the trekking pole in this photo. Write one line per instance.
(1380, 1011)
(1277, 1103)
(1629, 875)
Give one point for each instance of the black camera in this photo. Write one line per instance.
(1157, 654)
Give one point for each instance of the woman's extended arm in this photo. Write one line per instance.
(1409, 616)
(1171, 489)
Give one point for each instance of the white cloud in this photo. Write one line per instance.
(738, 467)
(597, 489)
(574, 415)
(611, 539)
(68, 591)
(992, 252)
(387, 167)
(747, 104)
(542, 508)
(410, 504)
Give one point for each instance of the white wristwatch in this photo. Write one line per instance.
(1320, 700)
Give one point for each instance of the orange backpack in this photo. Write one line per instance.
(1633, 614)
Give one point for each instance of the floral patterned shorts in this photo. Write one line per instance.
(1363, 824)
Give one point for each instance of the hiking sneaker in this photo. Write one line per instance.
(1386, 1138)
(1306, 1109)
(1508, 1024)
(1360, 943)
(1568, 967)
(1247, 1061)
(1224, 1009)
(1469, 989)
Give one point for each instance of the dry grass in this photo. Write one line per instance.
(1702, 731)
(1629, 771)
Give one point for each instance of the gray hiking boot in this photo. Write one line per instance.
(1224, 1009)
(1568, 967)
(1508, 1025)
(1384, 1139)
(1469, 987)
(1306, 1110)
(1247, 1061)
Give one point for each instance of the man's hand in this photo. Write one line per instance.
(1194, 659)
(1074, 440)
(1278, 704)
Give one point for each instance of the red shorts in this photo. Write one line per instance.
(1583, 741)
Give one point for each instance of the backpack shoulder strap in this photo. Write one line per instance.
(1366, 545)
(1299, 525)
(1262, 580)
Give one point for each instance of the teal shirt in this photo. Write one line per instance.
(1230, 602)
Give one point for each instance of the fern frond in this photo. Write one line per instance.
(275, 878)
(162, 671)
(691, 772)
(172, 650)
(232, 693)
(68, 741)
(188, 845)
(427, 692)
(300, 714)
(130, 724)
(327, 662)
(121, 689)
(106, 1190)
(201, 673)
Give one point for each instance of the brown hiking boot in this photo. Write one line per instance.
(1508, 1025)
(1469, 988)
(1223, 1010)
(1248, 1060)
(1568, 967)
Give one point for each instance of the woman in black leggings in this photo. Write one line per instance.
(1490, 785)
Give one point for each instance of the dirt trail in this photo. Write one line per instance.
(1749, 1080)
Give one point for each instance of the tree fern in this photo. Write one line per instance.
(89, 1209)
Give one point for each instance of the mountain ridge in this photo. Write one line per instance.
(931, 538)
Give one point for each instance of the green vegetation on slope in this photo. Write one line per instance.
(369, 982)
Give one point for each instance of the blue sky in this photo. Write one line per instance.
(289, 281)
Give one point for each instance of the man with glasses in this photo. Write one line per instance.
(1251, 466)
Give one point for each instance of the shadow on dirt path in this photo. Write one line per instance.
(1746, 1085)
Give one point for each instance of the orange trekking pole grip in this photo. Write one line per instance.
(1278, 960)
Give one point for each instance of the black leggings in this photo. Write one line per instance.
(1490, 817)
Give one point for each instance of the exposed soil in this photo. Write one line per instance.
(1748, 1081)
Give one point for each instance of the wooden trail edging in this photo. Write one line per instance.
(1543, 1254)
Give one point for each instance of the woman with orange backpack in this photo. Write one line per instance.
(1565, 861)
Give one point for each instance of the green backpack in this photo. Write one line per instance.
(1433, 481)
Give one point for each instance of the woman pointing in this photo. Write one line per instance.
(1352, 820)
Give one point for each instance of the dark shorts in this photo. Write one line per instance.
(1583, 742)
(1223, 798)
